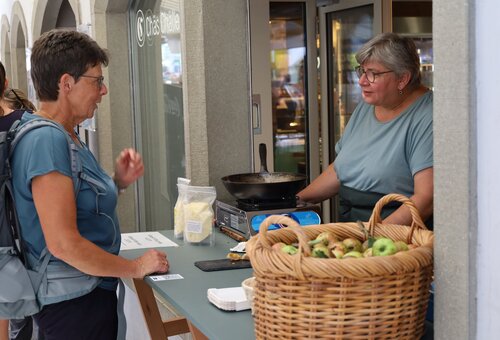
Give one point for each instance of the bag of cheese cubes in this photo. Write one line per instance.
(199, 215)
(182, 184)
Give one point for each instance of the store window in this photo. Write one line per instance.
(288, 65)
(155, 32)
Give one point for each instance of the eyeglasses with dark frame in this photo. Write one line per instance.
(100, 80)
(370, 75)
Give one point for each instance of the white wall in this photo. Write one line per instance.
(27, 6)
(488, 144)
(84, 12)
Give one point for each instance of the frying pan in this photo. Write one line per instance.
(264, 185)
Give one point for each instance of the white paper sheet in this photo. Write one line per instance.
(149, 239)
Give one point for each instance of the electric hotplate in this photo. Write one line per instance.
(244, 222)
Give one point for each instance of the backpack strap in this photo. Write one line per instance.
(17, 131)
(120, 310)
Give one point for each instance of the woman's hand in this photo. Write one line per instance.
(325, 186)
(153, 261)
(423, 198)
(128, 168)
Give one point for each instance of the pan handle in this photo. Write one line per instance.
(263, 158)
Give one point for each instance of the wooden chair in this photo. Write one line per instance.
(159, 329)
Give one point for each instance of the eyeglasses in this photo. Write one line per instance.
(100, 80)
(370, 75)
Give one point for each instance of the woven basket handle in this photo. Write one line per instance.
(376, 219)
(292, 225)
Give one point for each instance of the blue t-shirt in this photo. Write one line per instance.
(383, 157)
(44, 150)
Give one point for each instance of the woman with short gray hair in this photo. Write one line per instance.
(76, 232)
(387, 144)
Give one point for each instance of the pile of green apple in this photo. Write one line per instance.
(326, 245)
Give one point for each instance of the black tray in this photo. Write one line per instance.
(222, 264)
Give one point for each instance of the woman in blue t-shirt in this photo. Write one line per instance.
(81, 233)
(387, 144)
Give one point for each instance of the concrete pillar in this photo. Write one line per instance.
(455, 162)
(216, 101)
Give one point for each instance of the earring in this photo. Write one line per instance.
(400, 92)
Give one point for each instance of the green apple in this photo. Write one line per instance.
(278, 246)
(320, 251)
(383, 247)
(352, 244)
(353, 254)
(289, 249)
(338, 245)
(337, 253)
(401, 246)
(337, 249)
(368, 252)
(325, 238)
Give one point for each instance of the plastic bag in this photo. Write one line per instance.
(199, 215)
(179, 223)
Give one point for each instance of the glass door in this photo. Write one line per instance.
(344, 28)
(158, 111)
(283, 55)
(289, 93)
(414, 20)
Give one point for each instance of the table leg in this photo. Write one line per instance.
(196, 333)
(159, 329)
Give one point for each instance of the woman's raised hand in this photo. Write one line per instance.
(128, 168)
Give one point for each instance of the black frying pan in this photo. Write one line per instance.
(264, 185)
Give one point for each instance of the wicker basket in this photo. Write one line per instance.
(297, 296)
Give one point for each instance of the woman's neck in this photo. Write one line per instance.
(55, 113)
(4, 109)
(389, 112)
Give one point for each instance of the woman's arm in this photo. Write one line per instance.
(4, 329)
(423, 198)
(323, 187)
(58, 220)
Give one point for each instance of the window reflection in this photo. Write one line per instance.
(159, 115)
(288, 53)
(171, 43)
(349, 29)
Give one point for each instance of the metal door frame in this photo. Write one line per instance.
(313, 156)
(382, 14)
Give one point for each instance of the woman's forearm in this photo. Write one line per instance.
(423, 199)
(323, 187)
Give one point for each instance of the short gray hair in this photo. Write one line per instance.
(395, 52)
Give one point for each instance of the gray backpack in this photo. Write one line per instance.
(27, 283)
